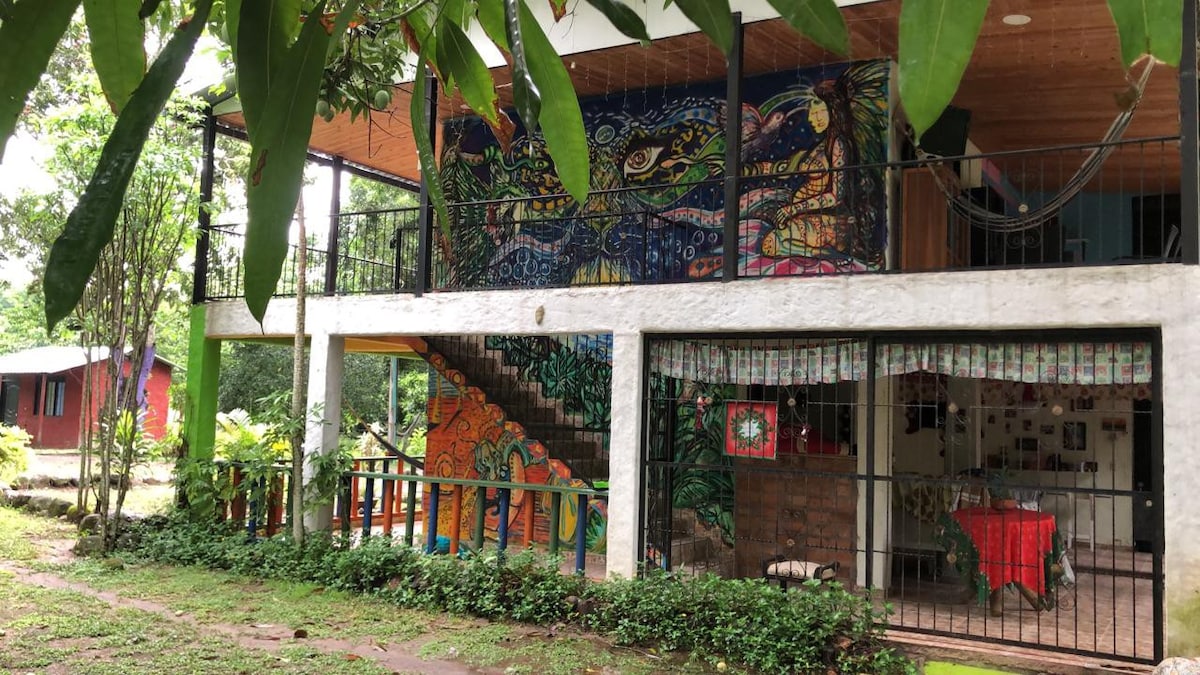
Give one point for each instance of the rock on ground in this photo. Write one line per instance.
(1178, 666)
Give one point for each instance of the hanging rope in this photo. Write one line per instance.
(978, 216)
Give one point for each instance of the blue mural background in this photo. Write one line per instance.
(807, 205)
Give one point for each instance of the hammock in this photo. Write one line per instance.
(978, 216)
(392, 450)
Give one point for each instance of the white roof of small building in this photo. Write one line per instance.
(50, 360)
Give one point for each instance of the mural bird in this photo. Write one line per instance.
(759, 131)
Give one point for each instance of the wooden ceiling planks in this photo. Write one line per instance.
(1052, 81)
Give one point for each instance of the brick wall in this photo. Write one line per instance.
(804, 507)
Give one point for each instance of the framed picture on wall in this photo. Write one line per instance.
(1074, 436)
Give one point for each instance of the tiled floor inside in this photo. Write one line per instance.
(1107, 611)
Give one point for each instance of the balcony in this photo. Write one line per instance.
(1028, 208)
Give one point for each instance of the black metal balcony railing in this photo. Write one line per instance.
(225, 266)
(1007, 212)
(377, 251)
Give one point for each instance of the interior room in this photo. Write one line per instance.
(1020, 491)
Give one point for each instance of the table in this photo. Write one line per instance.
(1013, 546)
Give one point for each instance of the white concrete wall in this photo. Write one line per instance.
(1166, 296)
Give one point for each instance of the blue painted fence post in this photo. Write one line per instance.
(581, 535)
(502, 528)
(431, 519)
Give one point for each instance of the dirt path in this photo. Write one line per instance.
(265, 637)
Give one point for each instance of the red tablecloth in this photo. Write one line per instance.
(1012, 544)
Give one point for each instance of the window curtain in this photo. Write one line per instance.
(828, 361)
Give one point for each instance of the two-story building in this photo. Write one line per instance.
(793, 336)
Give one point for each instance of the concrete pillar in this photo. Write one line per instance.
(881, 526)
(203, 369)
(625, 455)
(1181, 484)
(325, 365)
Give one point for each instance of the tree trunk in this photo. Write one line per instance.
(297, 482)
(86, 419)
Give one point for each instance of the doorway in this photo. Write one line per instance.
(1143, 473)
(10, 398)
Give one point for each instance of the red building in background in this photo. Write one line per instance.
(41, 391)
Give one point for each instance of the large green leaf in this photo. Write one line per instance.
(423, 22)
(491, 17)
(936, 41)
(818, 20)
(713, 17)
(278, 150)
(420, 126)
(623, 18)
(115, 37)
(560, 117)
(263, 30)
(28, 36)
(90, 226)
(1149, 27)
(526, 95)
(457, 55)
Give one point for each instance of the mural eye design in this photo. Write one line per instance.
(641, 159)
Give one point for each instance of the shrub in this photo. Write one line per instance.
(817, 628)
(14, 452)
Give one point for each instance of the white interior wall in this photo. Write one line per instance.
(1166, 296)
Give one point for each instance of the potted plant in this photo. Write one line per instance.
(998, 490)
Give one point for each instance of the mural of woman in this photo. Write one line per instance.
(836, 212)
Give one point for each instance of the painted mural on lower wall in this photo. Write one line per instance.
(471, 438)
(812, 197)
(573, 369)
(701, 479)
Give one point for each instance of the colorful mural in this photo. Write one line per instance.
(702, 479)
(471, 438)
(808, 205)
(573, 369)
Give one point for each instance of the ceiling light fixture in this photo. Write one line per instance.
(1017, 19)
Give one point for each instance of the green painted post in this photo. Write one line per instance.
(555, 514)
(204, 366)
(410, 508)
(346, 508)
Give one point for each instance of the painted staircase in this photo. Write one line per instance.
(546, 419)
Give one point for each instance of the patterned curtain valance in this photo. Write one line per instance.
(736, 363)
(827, 361)
(1030, 362)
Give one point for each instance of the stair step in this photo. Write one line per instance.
(523, 402)
(688, 550)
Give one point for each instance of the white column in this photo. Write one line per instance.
(625, 455)
(881, 524)
(325, 360)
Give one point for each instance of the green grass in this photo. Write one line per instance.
(19, 532)
(941, 668)
(75, 633)
(219, 597)
(72, 632)
(143, 499)
(522, 649)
